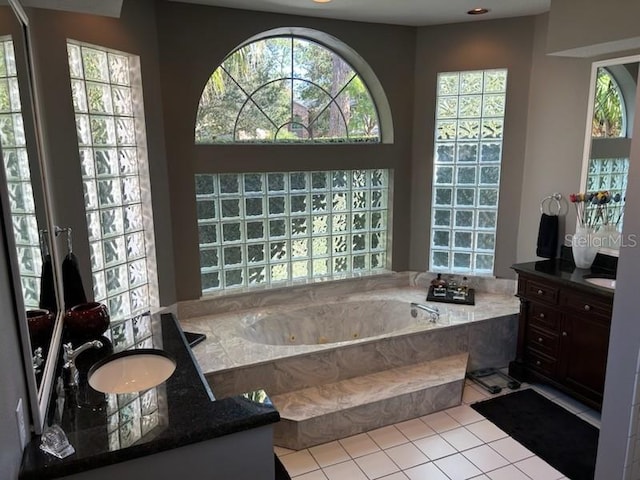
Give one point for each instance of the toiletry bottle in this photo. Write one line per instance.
(439, 281)
(464, 285)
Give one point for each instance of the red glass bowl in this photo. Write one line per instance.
(87, 319)
(40, 322)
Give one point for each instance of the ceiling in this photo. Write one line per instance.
(399, 12)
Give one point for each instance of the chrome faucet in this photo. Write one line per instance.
(434, 312)
(70, 356)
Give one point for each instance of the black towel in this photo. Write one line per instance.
(548, 236)
(47, 290)
(72, 282)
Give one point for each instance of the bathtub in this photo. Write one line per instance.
(304, 340)
(330, 323)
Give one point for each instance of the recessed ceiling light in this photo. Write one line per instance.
(478, 11)
(322, 1)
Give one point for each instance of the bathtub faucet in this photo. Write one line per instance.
(434, 312)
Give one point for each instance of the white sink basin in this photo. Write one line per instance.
(602, 282)
(131, 371)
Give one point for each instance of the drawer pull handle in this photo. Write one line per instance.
(564, 334)
(587, 307)
(538, 362)
(540, 292)
(540, 339)
(541, 315)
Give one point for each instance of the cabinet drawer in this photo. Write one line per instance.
(540, 362)
(543, 316)
(586, 304)
(543, 341)
(541, 292)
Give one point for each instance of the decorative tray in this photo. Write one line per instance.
(469, 300)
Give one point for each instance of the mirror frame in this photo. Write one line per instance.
(589, 124)
(39, 396)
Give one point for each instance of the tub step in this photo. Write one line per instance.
(327, 412)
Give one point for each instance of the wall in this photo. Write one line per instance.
(470, 46)
(12, 374)
(555, 137)
(134, 32)
(193, 42)
(618, 444)
(587, 28)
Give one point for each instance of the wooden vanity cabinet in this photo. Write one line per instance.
(563, 337)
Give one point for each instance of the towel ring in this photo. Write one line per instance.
(548, 204)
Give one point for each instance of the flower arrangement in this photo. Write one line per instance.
(597, 208)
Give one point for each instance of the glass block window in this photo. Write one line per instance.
(609, 174)
(285, 89)
(16, 165)
(466, 166)
(267, 228)
(112, 145)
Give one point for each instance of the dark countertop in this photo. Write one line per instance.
(106, 428)
(566, 273)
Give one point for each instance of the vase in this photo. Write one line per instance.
(87, 320)
(40, 322)
(584, 247)
(608, 236)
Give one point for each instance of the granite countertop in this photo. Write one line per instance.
(566, 273)
(107, 428)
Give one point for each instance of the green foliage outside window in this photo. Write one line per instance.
(285, 89)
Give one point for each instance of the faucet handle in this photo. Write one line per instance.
(68, 351)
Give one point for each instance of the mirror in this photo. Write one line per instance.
(26, 208)
(611, 113)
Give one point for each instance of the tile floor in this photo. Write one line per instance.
(453, 444)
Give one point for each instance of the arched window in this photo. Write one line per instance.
(609, 111)
(286, 89)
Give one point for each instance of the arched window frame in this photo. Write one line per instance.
(350, 56)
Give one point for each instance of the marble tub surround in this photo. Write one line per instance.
(178, 415)
(227, 346)
(392, 367)
(341, 409)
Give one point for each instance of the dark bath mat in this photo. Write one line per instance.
(281, 473)
(562, 439)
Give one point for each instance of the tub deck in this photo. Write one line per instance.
(332, 390)
(224, 348)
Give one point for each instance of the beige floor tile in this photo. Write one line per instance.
(315, 475)
(471, 395)
(426, 471)
(440, 422)
(457, 467)
(414, 429)
(407, 455)
(461, 439)
(510, 449)
(299, 462)
(387, 437)
(538, 469)
(343, 471)
(508, 472)
(434, 447)
(464, 414)
(485, 458)
(329, 454)
(376, 465)
(359, 445)
(395, 476)
(486, 431)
